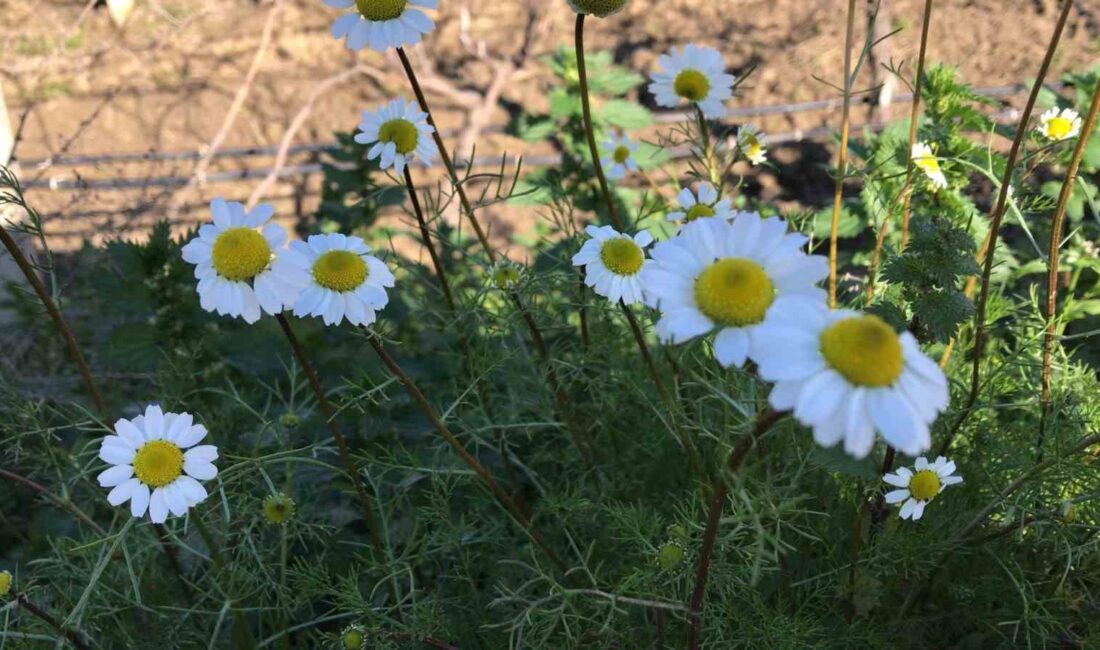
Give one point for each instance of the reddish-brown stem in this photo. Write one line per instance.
(1053, 254)
(505, 500)
(842, 159)
(365, 500)
(997, 217)
(586, 111)
(907, 195)
(48, 618)
(764, 421)
(58, 319)
(57, 500)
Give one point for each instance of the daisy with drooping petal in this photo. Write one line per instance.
(238, 263)
(729, 276)
(753, 143)
(701, 204)
(598, 8)
(1058, 125)
(613, 263)
(697, 75)
(926, 161)
(847, 374)
(382, 24)
(618, 156)
(918, 488)
(156, 464)
(341, 280)
(400, 133)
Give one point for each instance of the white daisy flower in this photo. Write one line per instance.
(918, 488)
(729, 276)
(848, 374)
(239, 268)
(614, 262)
(696, 75)
(618, 156)
(700, 204)
(926, 161)
(400, 133)
(341, 280)
(382, 24)
(156, 465)
(753, 143)
(599, 8)
(1058, 125)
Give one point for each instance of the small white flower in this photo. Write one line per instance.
(847, 374)
(614, 262)
(618, 156)
(156, 465)
(382, 24)
(753, 143)
(239, 268)
(341, 280)
(701, 204)
(599, 8)
(926, 161)
(918, 488)
(729, 276)
(1058, 125)
(400, 133)
(696, 75)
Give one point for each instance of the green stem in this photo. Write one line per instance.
(242, 630)
(586, 110)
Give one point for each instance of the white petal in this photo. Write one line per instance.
(158, 509)
(139, 501)
(122, 492)
(115, 475)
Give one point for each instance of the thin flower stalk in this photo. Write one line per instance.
(242, 632)
(1053, 253)
(842, 160)
(365, 500)
(764, 421)
(560, 398)
(74, 637)
(996, 217)
(57, 317)
(486, 477)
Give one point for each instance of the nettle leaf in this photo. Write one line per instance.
(939, 313)
(624, 114)
(849, 224)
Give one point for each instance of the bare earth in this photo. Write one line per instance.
(77, 86)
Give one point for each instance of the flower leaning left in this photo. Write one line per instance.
(156, 465)
(239, 265)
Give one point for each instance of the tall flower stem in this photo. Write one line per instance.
(907, 187)
(561, 400)
(426, 236)
(997, 217)
(58, 319)
(365, 500)
(57, 500)
(764, 421)
(74, 637)
(589, 131)
(242, 634)
(486, 477)
(918, 83)
(1053, 254)
(842, 160)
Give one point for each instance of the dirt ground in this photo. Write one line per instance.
(78, 87)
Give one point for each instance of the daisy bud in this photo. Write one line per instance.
(278, 509)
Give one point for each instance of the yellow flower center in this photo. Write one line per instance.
(381, 9)
(928, 164)
(158, 463)
(278, 508)
(240, 254)
(734, 292)
(1059, 128)
(622, 153)
(699, 210)
(924, 485)
(692, 85)
(402, 133)
(601, 8)
(340, 270)
(622, 256)
(864, 349)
